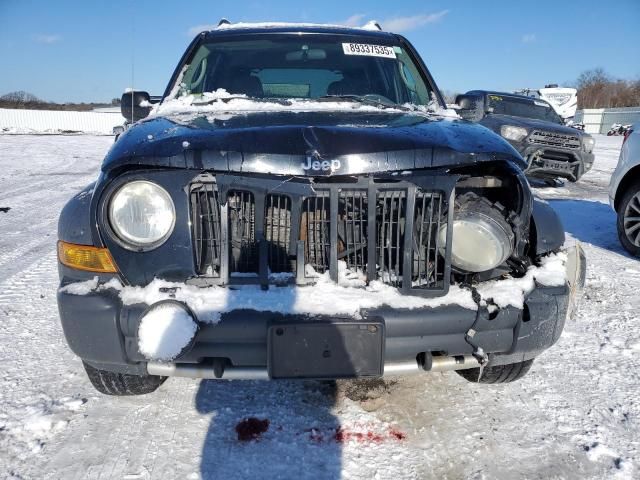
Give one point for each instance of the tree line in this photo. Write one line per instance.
(598, 89)
(27, 101)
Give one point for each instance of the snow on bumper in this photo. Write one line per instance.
(233, 322)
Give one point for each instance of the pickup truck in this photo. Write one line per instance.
(551, 149)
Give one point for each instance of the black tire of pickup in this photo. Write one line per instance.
(630, 193)
(122, 384)
(498, 373)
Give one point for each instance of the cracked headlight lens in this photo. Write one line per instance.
(479, 243)
(511, 132)
(142, 214)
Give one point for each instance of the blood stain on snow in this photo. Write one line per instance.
(343, 435)
(397, 434)
(251, 429)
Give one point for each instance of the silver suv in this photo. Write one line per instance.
(624, 191)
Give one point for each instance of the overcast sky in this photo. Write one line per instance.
(81, 50)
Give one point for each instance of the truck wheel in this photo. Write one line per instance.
(498, 373)
(629, 219)
(119, 384)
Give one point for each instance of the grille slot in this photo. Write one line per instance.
(206, 227)
(428, 264)
(391, 211)
(278, 232)
(242, 230)
(352, 228)
(555, 139)
(314, 231)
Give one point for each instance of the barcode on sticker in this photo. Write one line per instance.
(368, 50)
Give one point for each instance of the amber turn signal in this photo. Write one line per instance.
(85, 257)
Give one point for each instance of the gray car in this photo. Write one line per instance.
(624, 191)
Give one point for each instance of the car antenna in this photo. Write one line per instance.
(133, 58)
(372, 25)
(224, 21)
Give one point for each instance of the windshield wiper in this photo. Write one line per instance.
(208, 100)
(365, 100)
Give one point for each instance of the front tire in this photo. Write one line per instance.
(121, 384)
(629, 219)
(498, 373)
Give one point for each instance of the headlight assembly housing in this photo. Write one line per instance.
(513, 133)
(481, 239)
(141, 214)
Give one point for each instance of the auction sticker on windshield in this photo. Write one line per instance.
(368, 50)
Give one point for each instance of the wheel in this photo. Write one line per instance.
(629, 219)
(497, 374)
(119, 384)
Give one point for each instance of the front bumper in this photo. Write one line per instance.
(103, 332)
(552, 162)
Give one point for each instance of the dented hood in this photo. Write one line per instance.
(306, 143)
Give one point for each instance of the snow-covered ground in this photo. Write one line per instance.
(576, 415)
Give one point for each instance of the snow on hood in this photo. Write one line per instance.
(236, 133)
(221, 101)
(348, 297)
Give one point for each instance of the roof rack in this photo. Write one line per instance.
(224, 21)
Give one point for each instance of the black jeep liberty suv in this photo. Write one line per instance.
(300, 204)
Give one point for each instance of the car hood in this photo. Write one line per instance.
(306, 143)
(531, 124)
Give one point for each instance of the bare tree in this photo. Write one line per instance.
(597, 89)
(20, 97)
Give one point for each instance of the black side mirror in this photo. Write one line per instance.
(470, 107)
(135, 105)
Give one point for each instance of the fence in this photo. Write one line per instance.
(54, 121)
(599, 120)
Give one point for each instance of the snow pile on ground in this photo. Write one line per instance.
(165, 331)
(19, 121)
(513, 291)
(27, 428)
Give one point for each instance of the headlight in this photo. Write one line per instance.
(589, 142)
(479, 243)
(142, 214)
(513, 133)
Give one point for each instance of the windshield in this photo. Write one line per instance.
(306, 66)
(520, 107)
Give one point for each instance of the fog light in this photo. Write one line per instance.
(166, 331)
(86, 257)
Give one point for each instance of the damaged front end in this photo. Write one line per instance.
(361, 274)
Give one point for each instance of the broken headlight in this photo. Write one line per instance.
(142, 214)
(480, 242)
